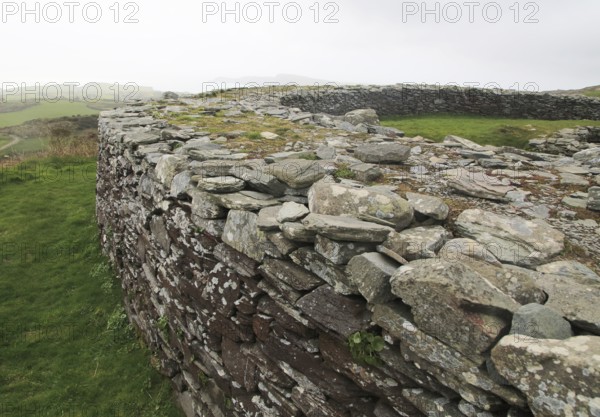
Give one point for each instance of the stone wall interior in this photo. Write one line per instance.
(414, 99)
(327, 266)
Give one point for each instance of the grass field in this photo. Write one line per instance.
(3, 141)
(45, 110)
(25, 147)
(65, 346)
(480, 129)
(592, 93)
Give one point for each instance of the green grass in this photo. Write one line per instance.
(45, 110)
(595, 93)
(4, 141)
(483, 130)
(65, 346)
(26, 146)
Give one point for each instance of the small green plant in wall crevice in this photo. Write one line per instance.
(365, 347)
(344, 172)
(228, 403)
(163, 325)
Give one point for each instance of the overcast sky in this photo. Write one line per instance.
(181, 44)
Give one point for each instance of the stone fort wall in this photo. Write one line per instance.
(410, 100)
(258, 311)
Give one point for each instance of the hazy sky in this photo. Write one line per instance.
(181, 44)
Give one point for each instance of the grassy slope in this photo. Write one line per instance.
(483, 130)
(45, 110)
(57, 297)
(26, 146)
(595, 93)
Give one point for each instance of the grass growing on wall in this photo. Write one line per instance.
(484, 130)
(65, 345)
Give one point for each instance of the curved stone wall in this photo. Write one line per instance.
(410, 100)
(267, 287)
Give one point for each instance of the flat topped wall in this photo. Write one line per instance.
(259, 312)
(410, 100)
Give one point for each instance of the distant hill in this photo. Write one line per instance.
(593, 91)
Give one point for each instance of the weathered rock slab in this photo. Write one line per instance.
(219, 184)
(341, 200)
(512, 240)
(341, 314)
(338, 252)
(559, 377)
(370, 273)
(593, 202)
(571, 269)
(242, 233)
(346, 228)
(291, 212)
(418, 242)
(297, 173)
(454, 303)
(540, 322)
(291, 274)
(168, 166)
(368, 116)
(456, 250)
(478, 184)
(239, 201)
(429, 206)
(383, 153)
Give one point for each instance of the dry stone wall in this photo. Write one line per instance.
(411, 99)
(271, 287)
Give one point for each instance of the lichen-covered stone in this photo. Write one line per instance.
(370, 273)
(418, 242)
(345, 228)
(368, 116)
(291, 212)
(267, 218)
(457, 250)
(298, 232)
(242, 233)
(428, 206)
(571, 269)
(339, 313)
(203, 206)
(577, 302)
(339, 252)
(220, 184)
(297, 173)
(168, 166)
(515, 282)
(324, 269)
(383, 153)
(293, 275)
(454, 303)
(593, 202)
(540, 322)
(340, 200)
(478, 184)
(432, 404)
(559, 377)
(512, 240)
(239, 201)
